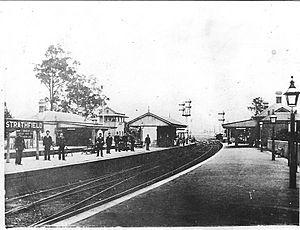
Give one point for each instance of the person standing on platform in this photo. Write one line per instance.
(117, 140)
(109, 140)
(132, 141)
(99, 145)
(147, 142)
(125, 140)
(61, 142)
(47, 142)
(19, 146)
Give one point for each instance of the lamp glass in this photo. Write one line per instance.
(273, 119)
(292, 99)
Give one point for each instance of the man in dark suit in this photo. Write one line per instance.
(132, 141)
(108, 143)
(61, 142)
(47, 142)
(19, 146)
(125, 140)
(117, 140)
(99, 144)
(147, 142)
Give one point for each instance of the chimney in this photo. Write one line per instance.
(278, 97)
(42, 105)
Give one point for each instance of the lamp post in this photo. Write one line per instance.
(292, 98)
(273, 119)
(260, 134)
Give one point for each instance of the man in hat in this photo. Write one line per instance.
(117, 140)
(147, 142)
(47, 142)
(61, 142)
(99, 145)
(19, 146)
(109, 140)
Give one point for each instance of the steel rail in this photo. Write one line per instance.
(66, 192)
(60, 213)
(65, 214)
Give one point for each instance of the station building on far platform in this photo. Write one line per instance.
(161, 130)
(259, 128)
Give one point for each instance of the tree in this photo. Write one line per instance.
(55, 71)
(258, 105)
(83, 96)
(69, 91)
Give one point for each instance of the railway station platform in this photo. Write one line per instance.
(36, 175)
(31, 164)
(235, 187)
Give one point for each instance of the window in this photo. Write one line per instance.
(278, 100)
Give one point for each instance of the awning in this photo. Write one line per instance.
(241, 124)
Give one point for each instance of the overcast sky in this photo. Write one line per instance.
(218, 54)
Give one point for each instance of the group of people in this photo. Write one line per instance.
(121, 143)
(47, 142)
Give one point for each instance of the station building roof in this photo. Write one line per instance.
(152, 120)
(241, 124)
(109, 112)
(277, 107)
(67, 120)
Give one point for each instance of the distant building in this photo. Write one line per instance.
(112, 119)
(162, 130)
(248, 131)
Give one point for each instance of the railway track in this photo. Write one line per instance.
(53, 205)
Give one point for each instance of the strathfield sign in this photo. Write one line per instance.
(13, 124)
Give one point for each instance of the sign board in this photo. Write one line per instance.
(26, 134)
(13, 124)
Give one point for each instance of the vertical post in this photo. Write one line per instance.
(293, 154)
(236, 141)
(8, 146)
(273, 142)
(261, 146)
(37, 132)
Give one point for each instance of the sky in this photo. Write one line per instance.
(220, 55)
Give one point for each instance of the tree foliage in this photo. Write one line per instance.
(55, 71)
(82, 96)
(258, 105)
(69, 90)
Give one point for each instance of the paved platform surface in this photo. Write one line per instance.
(30, 163)
(236, 187)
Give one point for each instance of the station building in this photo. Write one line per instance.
(76, 129)
(259, 127)
(112, 119)
(161, 130)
